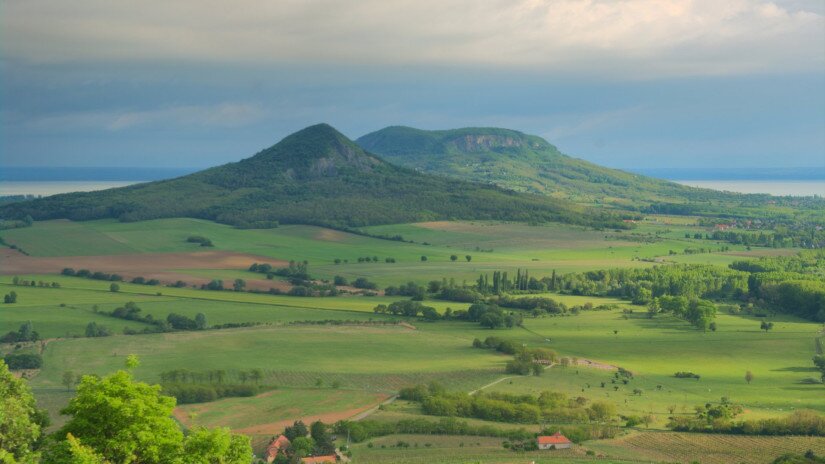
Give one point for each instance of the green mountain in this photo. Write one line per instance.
(314, 176)
(522, 162)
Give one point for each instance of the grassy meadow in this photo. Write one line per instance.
(492, 246)
(315, 370)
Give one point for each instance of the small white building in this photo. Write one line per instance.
(555, 441)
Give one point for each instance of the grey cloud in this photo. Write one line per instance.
(630, 38)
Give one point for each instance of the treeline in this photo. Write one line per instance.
(700, 313)
(205, 386)
(366, 259)
(489, 316)
(297, 273)
(642, 285)
(105, 276)
(96, 275)
(720, 418)
(408, 308)
(212, 377)
(502, 407)
(295, 269)
(501, 283)
(26, 221)
(199, 393)
(487, 313)
(25, 333)
(32, 283)
(365, 429)
(132, 312)
(789, 284)
(792, 233)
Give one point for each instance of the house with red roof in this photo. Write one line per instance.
(277, 446)
(555, 441)
(328, 459)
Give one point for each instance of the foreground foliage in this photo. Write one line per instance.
(113, 420)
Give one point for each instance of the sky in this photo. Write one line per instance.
(633, 84)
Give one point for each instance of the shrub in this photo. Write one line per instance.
(17, 361)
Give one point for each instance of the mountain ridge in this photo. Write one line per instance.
(314, 176)
(518, 161)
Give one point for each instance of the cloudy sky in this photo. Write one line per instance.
(625, 83)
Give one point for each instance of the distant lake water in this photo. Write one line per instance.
(44, 188)
(773, 187)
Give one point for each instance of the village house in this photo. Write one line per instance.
(555, 441)
(278, 445)
(331, 458)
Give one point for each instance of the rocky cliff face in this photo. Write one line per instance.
(476, 143)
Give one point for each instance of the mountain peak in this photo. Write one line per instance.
(316, 151)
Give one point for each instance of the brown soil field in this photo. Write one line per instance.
(330, 235)
(161, 266)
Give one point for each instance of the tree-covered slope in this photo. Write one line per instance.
(527, 163)
(314, 176)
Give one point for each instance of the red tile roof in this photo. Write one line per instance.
(279, 444)
(319, 459)
(555, 439)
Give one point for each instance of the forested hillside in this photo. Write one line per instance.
(315, 176)
(528, 163)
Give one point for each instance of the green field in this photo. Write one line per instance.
(270, 411)
(384, 358)
(368, 357)
(492, 245)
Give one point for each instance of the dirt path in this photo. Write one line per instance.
(581, 362)
(371, 410)
(496, 382)
(596, 365)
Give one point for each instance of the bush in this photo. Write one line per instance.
(23, 361)
(204, 242)
(362, 282)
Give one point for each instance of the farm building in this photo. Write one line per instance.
(555, 441)
(278, 445)
(319, 459)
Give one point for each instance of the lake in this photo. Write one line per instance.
(773, 187)
(45, 188)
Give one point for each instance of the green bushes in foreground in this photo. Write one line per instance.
(113, 419)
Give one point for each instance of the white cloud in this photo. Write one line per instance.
(632, 38)
(222, 115)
